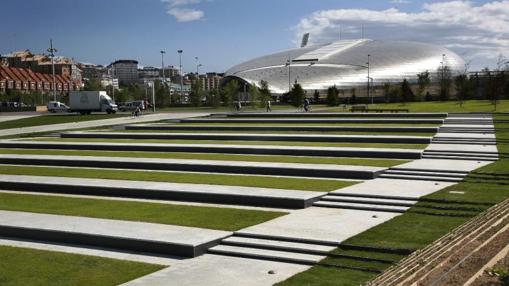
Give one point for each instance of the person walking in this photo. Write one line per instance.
(306, 105)
(269, 109)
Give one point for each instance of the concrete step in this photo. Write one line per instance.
(425, 173)
(107, 233)
(463, 142)
(420, 177)
(267, 127)
(263, 197)
(392, 153)
(192, 165)
(252, 137)
(363, 200)
(299, 247)
(332, 114)
(447, 153)
(453, 157)
(265, 254)
(313, 120)
(361, 206)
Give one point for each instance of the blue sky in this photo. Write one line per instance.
(226, 32)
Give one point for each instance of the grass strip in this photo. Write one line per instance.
(233, 142)
(441, 106)
(389, 133)
(31, 267)
(302, 184)
(314, 124)
(212, 156)
(228, 219)
(55, 119)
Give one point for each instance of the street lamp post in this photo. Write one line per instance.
(181, 75)
(162, 65)
(368, 80)
(52, 52)
(289, 63)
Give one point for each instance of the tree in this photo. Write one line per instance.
(265, 91)
(255, 94)
(229, 93)
(316, 96)
(387, 91)
(214, 98)
(353, 98)
(93, 84)
(297, 95)
(196, 93)
(162, 94)
(423, 82)
(332, 96)
(444, 74)
(406, 92)
(461, 84)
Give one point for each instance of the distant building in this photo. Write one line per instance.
(148, 72)
(91, 71)
(25, 80)
(210, 81)
(42, 64)
(125, 70)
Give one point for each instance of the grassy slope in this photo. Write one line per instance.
(212, 156)
(441, 106)
(285, 132)
(54, 119)
(273, 143)
(416, 230)
(177, 177)
(40, 267)
(229, 219)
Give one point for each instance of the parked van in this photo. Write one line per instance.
(56, 106)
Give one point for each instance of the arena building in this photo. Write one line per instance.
(346, 64)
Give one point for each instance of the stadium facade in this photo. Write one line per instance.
(345, 64)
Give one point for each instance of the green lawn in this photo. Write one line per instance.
(314, 124)
(482, 188)
(213, 156)
(55, 119)
(229, 219)
(317, 185)
(229, 142)
(30, 267)
(443, 106)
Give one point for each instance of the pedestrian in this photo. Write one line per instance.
(136, 112)
(269, 109)
(306, 105)
(238, 106)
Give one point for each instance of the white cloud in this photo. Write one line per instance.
(399, 1)
(179, 10)
(476, 32)
(186, 15)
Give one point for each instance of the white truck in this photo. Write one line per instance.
(86, 102)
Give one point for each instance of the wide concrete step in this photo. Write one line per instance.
(445, 153)
(268, 127)
(464, 142)
(455, 157)
(425, 173)
(106, 233)
(420, 177)
(331, 114)
(313, 120)
(252, 137)
(278, 245)
(189, 165)
(364, 200)
(237, 195)
(265, 254)
(361, 206)
(393, 153)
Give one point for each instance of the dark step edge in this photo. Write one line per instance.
(286, 239)
(260, 257)
(396, 204)
(373, 209)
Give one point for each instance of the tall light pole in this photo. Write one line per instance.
(162, 65)
(368, 80)
(288, 64)
(181, 75)
(52, 52)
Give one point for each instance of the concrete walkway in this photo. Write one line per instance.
(4, 118)
(96, 123)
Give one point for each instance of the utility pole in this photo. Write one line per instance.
(162, 66)
(52, 52)
(368, 80)
(181, 75)
(289, 63)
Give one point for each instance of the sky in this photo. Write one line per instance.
(222, 33)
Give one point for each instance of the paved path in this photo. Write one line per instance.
(4, 118)
(97, 123)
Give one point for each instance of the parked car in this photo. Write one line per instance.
(132, 105)
(56, 106)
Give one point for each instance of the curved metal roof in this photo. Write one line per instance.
(344, 64)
